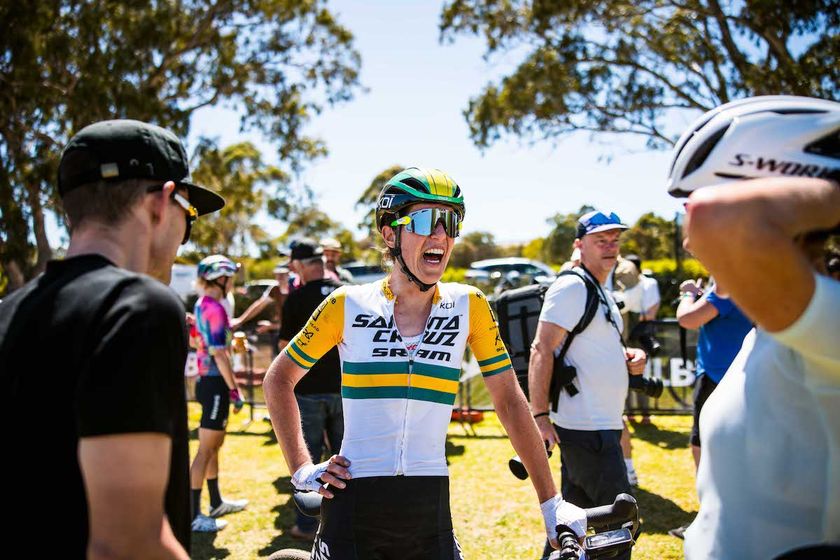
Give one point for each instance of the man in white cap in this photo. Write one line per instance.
(332, 254)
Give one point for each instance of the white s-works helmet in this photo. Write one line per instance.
(765, 136)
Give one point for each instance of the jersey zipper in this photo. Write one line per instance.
(404, 436)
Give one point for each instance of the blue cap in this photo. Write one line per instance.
(595, 221)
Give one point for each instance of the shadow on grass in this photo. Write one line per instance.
(203, 547)
(659, 514)
(283, 520)
(479, 436)
(268, 434)
(453, 450)
(665, 439)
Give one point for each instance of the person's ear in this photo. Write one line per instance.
(389, 234)
(159, 202)
(577, 243)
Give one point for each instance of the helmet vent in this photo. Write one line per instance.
(829, 146)
(797, 111)
(702, 152)
(414, 184)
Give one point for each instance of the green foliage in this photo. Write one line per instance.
(66, 64)
(624, 66)
(669, 277)
(367, 200)
(259, 269)
(238, 173)
(557, 246)
(309, 221)
(454, 274)
(651, 237)
(472, 247)
(534, 249)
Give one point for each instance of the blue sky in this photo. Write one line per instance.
(417, 89)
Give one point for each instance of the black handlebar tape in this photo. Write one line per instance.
(309, 503)
(624, 509)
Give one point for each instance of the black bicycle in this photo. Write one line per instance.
(616, 526)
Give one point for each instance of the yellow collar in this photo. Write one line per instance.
(389, 295)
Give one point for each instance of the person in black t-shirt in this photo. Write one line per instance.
(100, 346)
(318, 393)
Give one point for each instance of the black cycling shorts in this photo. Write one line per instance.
(703, 387)
(214, 396)
(388, 518)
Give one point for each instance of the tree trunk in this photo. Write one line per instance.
(39, 229)
(16, 278)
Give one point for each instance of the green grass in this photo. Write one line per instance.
(495, 515)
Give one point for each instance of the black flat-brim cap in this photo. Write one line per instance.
(127, 149)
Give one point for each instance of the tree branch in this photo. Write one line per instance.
(737, 57)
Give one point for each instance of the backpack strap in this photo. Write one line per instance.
(589, 310)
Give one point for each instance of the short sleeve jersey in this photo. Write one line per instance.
(397, 406)
(769, 480)
(211, 321)
(103, 351)
(325, 375)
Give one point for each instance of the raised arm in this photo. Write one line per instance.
(745, 234)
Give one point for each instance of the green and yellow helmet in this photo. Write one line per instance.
(415, 185)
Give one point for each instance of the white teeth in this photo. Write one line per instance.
(435, 251)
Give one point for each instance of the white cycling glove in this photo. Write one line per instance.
(306, 477)
(556, 511)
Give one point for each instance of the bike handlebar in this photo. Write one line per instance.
(623, 510)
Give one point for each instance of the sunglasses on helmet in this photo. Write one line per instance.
(424, 222)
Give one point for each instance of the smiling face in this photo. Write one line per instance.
(425, 256)
(599, 251)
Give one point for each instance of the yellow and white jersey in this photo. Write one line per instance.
(397, 406)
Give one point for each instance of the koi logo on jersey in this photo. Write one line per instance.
(311, 327)
(440, 331)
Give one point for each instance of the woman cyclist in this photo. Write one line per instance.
(401, 342)
(215, 388)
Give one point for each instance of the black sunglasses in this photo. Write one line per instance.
(190, 211)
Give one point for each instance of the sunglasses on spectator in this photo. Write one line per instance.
(190, 211)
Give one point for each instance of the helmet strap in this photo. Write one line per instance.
(221, 285)
(396, 253)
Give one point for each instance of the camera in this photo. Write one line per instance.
(518, 469)
(650, 386)
(645, 334)
(562, 378)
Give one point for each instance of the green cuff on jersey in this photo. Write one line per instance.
(489, 361)
(291, 357)
(490, 373)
